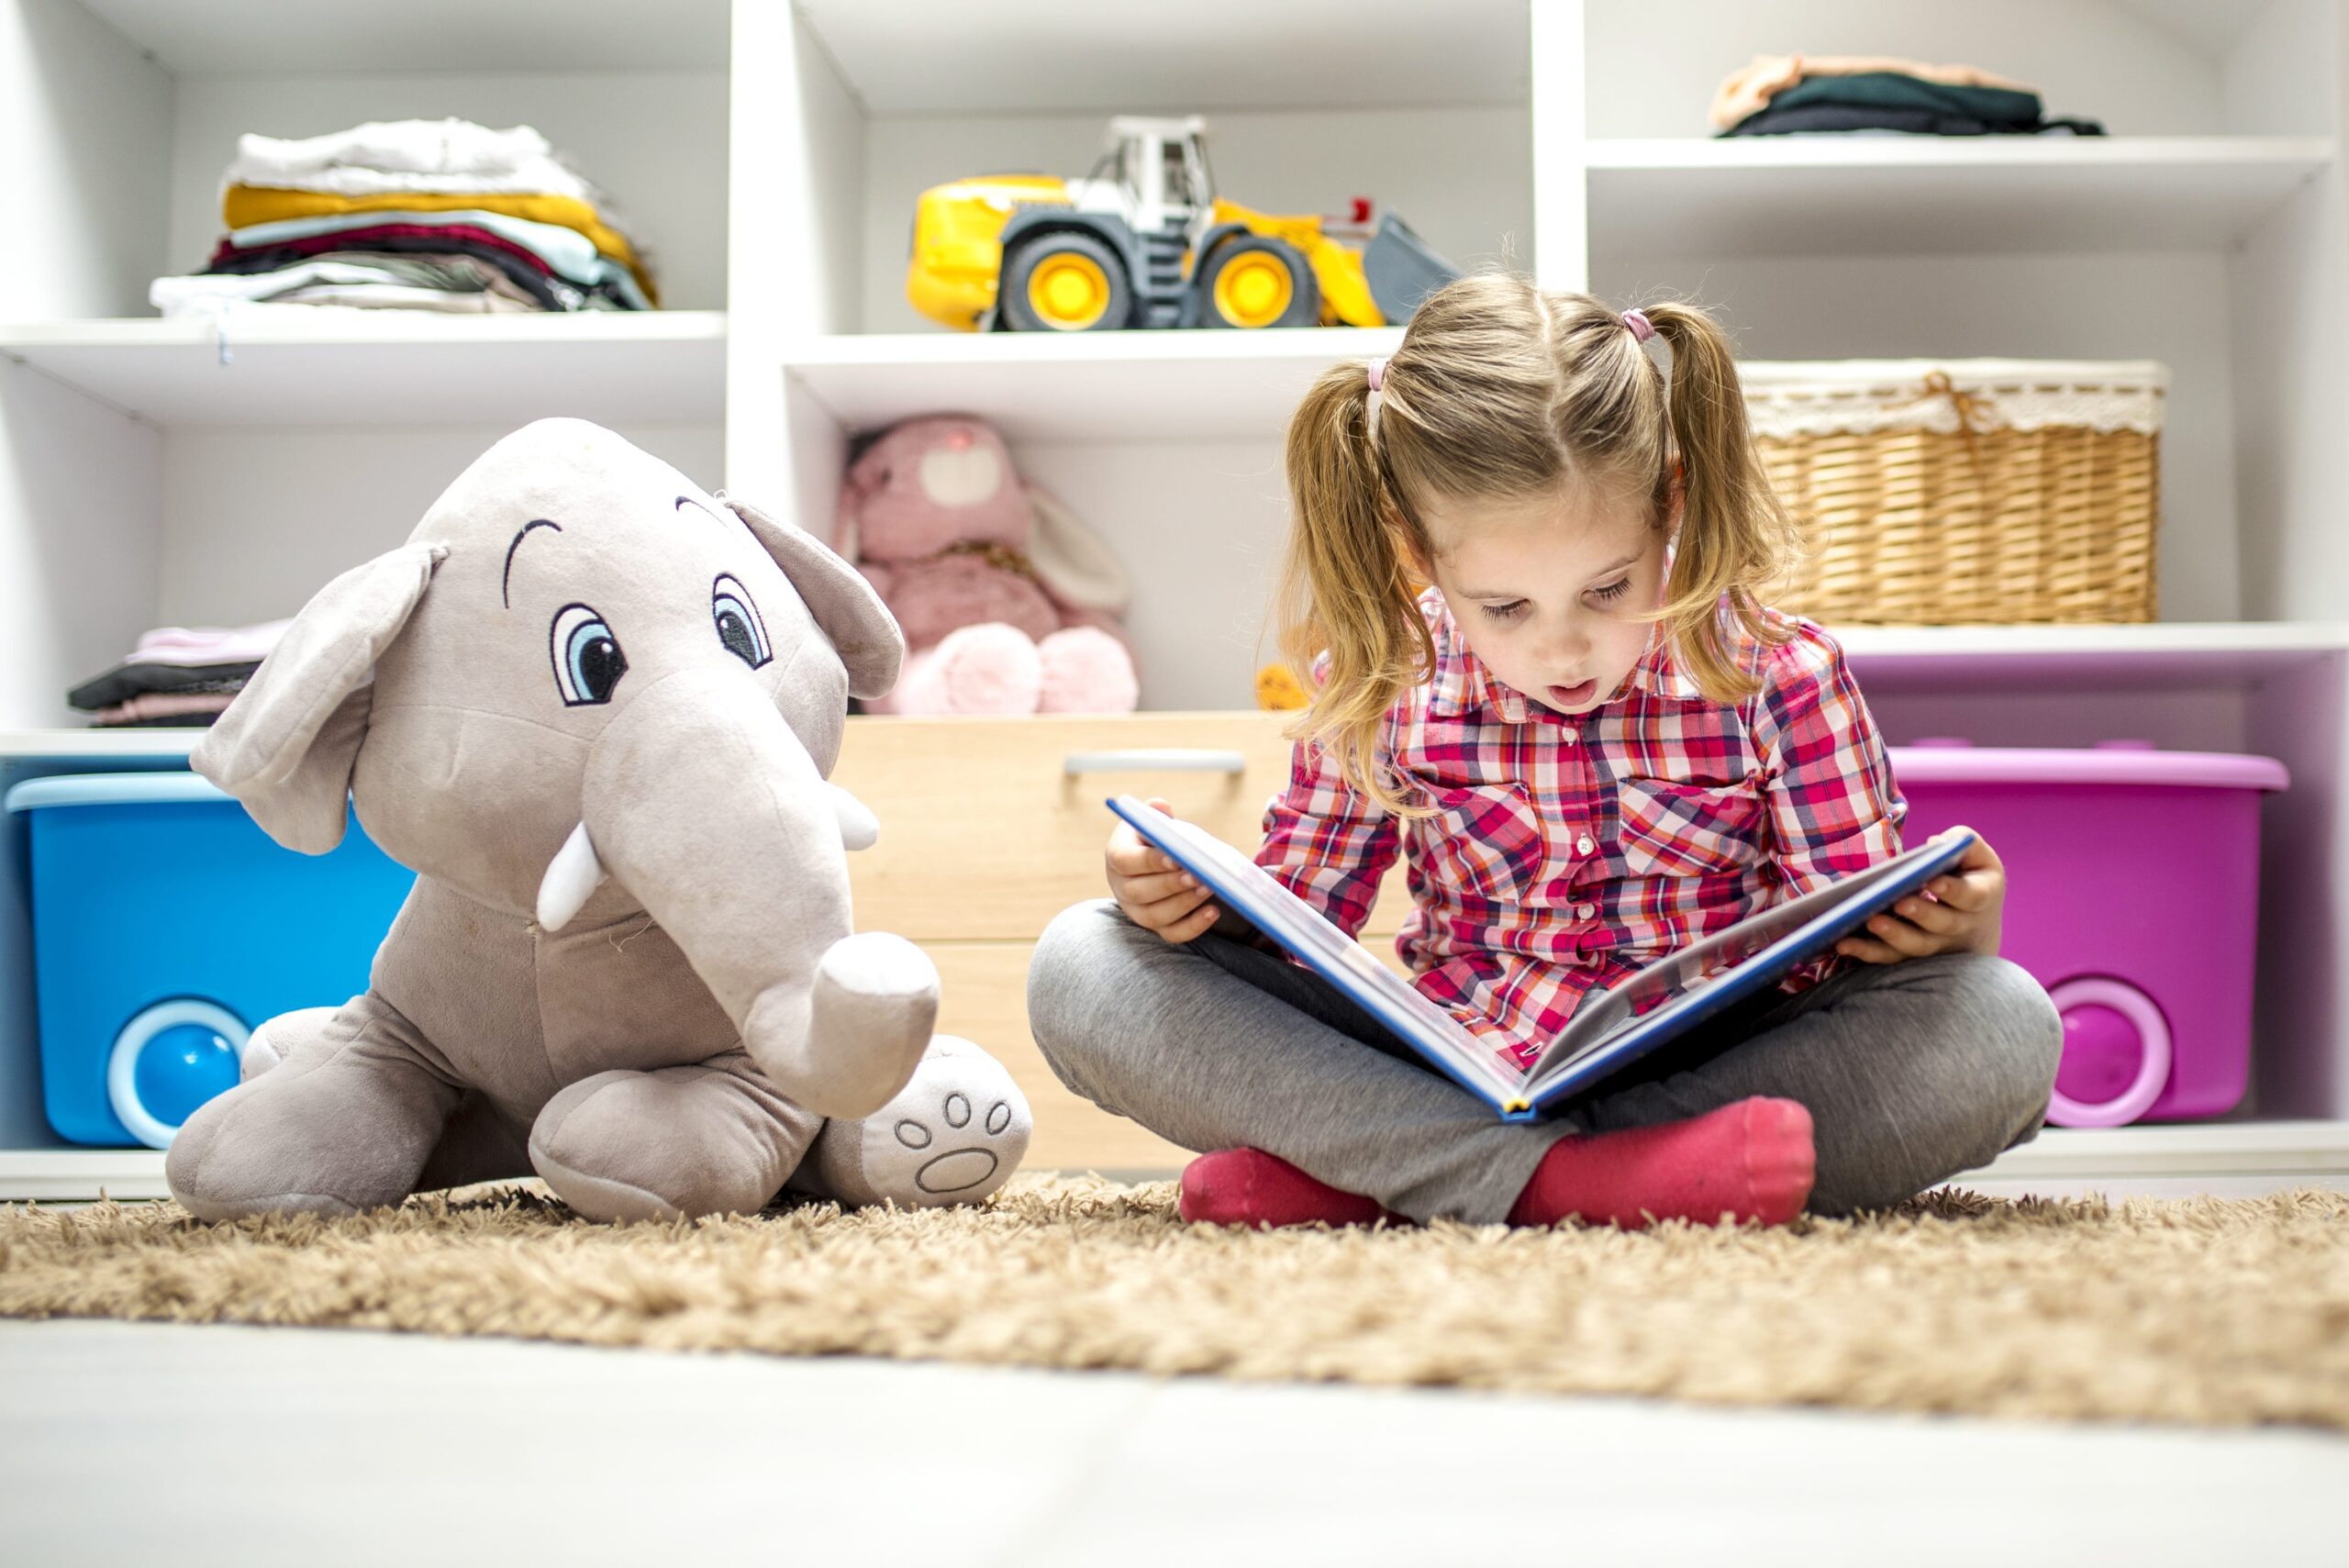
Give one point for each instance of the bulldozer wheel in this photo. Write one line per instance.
(1258, 281)
(1065, 282)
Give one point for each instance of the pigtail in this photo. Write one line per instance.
(1346, 592)
(1737, 541)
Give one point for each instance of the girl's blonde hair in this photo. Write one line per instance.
(1502, 391)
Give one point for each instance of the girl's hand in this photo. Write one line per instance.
(1954, 913)
(1156, 893)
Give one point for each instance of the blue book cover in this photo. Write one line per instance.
(1611, 1028)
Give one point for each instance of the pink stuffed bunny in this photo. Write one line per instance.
(1008, 603)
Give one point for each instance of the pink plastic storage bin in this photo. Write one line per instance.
(2132, 890)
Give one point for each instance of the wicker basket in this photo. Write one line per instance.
(1941, 492)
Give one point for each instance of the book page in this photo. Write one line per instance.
(1608, 1013)
(1257, 895)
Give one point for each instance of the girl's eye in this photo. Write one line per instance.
(1509, 611)
(1614, 590)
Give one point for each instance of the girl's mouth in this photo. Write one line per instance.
(1572, 697)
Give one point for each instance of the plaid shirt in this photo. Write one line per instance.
(1568, 852)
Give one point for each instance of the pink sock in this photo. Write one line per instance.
(1751, 1160)
(1248, 1186)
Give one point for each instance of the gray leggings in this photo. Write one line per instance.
(1911, 1071)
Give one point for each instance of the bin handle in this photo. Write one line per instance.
(1156, 760)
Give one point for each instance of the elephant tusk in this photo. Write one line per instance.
(859, 828)
(571, 877)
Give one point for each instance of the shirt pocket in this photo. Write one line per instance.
(1672, 828)
(1487, 840)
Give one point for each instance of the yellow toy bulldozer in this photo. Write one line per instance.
(1144, 241)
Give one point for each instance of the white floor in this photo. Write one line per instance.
(149, 1444)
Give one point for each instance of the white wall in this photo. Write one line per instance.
(1199, 528)
(257, 520)
(85, 123)
(80, 487)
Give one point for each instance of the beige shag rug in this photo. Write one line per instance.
(2207, 1311)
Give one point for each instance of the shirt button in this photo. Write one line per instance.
(1582, 845)
(1584, 911)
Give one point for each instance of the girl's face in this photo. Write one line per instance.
(1547, 592)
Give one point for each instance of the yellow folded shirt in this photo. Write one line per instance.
(241, 207)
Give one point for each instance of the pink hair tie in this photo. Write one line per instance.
(1642, 328)
(1377, 374)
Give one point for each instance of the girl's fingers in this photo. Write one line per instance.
(1150, 889)
(1197, 923)
(1969, 892)
(1900, 936)
(1160, 914)
(1130, 855)
(1868, 951)
(1939, 918)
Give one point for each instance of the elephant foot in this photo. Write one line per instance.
(344, 1122)
(953, 1134)
(855, 1040)
(1086, 671)
(985, 668)
(671, 1143)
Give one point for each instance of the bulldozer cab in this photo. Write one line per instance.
(1161, 168)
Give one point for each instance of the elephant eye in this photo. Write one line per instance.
(739, 625)
(587, 659)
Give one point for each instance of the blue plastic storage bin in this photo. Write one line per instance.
(166, 926)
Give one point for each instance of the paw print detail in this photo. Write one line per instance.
(959, 1169)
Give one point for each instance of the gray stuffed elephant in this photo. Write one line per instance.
(593, 708)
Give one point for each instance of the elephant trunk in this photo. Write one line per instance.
(703, 803)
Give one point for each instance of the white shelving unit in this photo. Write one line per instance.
(388, 368)
(770, 154)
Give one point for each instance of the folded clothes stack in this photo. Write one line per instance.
(1785, 94)
(413, 215)
(177, 675)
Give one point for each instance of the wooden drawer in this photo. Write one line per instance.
(984, 997)
(986, 834)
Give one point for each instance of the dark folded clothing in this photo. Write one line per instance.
(124, 682)
(1844, 117)
(183, 721)
(527, 270)
(2004, 108)
(1885, 100)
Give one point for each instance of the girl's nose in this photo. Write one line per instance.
(1567, 644)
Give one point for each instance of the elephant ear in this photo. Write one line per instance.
(862, 631)
(285, 746)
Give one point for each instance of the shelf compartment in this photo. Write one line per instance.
(2151, 656)
(1105, 386)
(390, 367)
(1837, 195)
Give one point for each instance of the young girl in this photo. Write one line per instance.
(1594, 744)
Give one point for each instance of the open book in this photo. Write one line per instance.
(1612, 1027)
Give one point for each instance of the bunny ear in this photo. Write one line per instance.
(1071, 559)
(285, 746)
(862, 630)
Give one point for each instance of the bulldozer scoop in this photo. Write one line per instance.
(1402, 269)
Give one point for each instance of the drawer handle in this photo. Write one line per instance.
(1158, 760)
